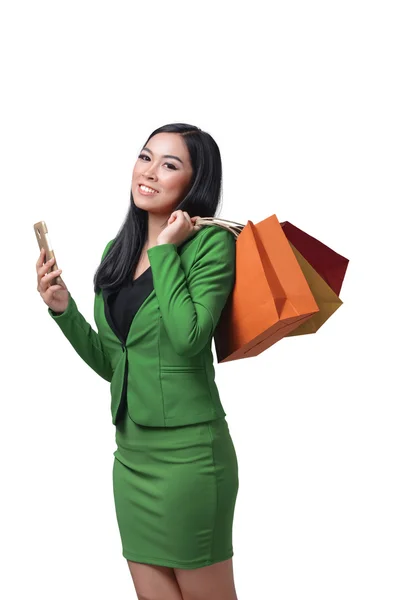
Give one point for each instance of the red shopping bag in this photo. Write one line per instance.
(328, 263)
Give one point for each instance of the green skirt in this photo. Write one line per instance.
(175, 491)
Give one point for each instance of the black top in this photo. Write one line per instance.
(126, 301)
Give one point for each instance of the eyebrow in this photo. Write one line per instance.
(165, 155)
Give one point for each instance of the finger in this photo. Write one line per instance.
(53, 274)
(41, 271)
(49, 293)
(44, 281)
(46, 266)
(41, 258)
(49, 262)
(171, 219)
(177, 216)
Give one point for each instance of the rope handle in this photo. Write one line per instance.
(232, 226)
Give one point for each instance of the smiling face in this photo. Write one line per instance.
(164, 166)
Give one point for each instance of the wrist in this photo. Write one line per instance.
(160, 242)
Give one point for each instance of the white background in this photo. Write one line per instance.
(303, 101)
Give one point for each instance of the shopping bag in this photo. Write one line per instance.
(271, 296)
(330, 265)
(327, 300)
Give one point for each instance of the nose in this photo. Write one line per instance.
(149, 174)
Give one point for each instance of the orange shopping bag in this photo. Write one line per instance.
(271, 296)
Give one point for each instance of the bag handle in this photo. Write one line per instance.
(232, 226)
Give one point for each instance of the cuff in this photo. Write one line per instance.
(161, 249)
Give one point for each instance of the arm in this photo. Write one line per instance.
(83, 338)
(190, 308)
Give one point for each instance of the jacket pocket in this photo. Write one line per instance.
(186, 392)
(181, 368)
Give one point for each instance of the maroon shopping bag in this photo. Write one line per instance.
(330, 265)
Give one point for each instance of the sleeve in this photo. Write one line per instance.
(190, 307)
(82, 337)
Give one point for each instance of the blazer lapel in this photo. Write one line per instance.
(133, 330)
(107, 313)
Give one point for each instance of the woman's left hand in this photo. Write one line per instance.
(180, 227)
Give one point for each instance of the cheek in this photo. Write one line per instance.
(175, 183)
(136, 171)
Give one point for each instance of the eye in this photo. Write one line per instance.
(169, 164)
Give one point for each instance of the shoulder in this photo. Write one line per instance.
(215, 244)
(211, 235)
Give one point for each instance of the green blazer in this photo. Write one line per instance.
(166, 364)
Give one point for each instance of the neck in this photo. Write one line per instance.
(156, 223)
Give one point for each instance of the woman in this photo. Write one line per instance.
(159, 292)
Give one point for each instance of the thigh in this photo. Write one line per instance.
(214, 582)
(153, 582)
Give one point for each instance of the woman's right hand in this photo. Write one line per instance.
(55, 296)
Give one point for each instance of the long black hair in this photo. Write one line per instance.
(202, 199)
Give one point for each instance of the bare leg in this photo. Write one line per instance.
(214, 582)
(153, 582)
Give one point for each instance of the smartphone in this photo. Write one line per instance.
(42, 236)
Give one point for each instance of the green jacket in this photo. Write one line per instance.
(167, 361)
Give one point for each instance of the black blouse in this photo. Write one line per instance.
(126, 301)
